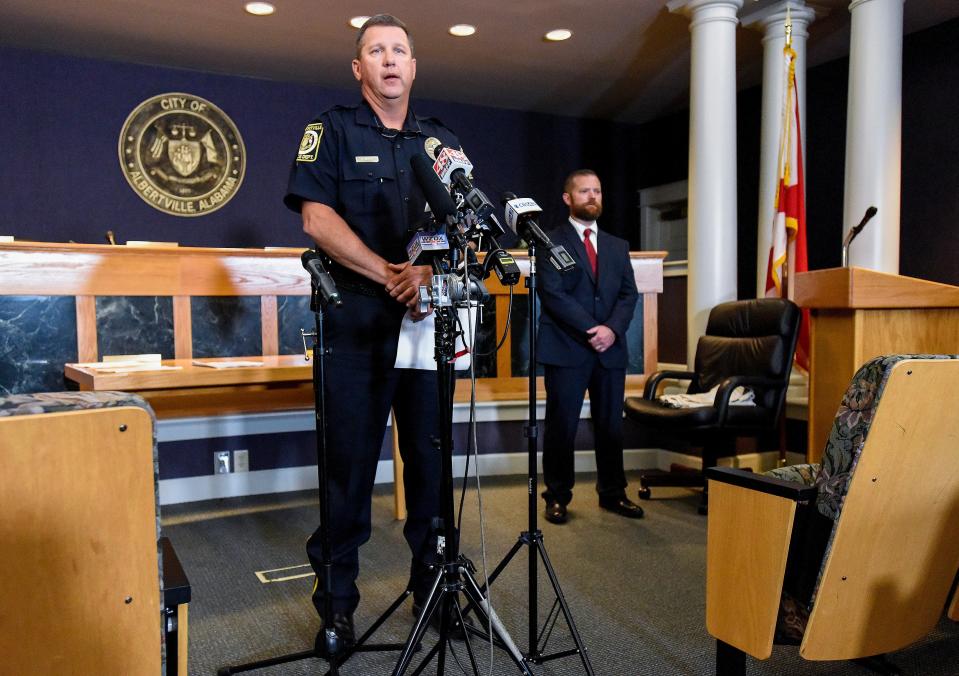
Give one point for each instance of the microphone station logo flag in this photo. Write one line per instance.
(788, 253)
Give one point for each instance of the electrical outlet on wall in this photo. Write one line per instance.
(221, 462)
(241, 461)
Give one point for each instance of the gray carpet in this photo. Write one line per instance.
(636, 588)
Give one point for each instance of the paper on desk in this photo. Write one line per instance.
(137, 367)
(415, 347)
(226, 364)
(122, 361)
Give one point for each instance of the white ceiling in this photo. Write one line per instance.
(628, 60)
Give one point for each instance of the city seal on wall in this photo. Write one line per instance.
(182, 155)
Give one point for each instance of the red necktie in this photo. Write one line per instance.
(590, 251)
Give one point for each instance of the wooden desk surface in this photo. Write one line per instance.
(275, 369)
(283, 382)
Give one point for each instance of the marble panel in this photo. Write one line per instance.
(293, 314)
(226, 326)
(135, 325)
(634, 339)
(38, 335)
(485, 343)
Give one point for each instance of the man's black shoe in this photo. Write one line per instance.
(345, 636)
(622, 506)
(456, 631)
(555, 512)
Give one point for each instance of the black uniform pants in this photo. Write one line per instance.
(360, 389)
(565, 387)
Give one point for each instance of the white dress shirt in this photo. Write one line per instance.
(580, 229)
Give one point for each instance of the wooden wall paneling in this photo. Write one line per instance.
(182, 328)
(399, 488)
(650, 332)
(269, 325)
(504, 358)
(86, 328)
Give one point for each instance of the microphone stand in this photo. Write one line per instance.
(455, 575)
(533, 536)
(323, 293)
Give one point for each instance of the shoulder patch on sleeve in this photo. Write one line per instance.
(310, 143)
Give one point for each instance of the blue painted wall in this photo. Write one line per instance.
(60, 177)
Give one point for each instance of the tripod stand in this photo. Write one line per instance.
(456, 573)
(533, 536)
(332, 647)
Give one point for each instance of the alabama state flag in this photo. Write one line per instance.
(787, 254)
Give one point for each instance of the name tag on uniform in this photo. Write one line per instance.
(367, 158)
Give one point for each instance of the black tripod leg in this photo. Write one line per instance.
(478, 600)
(466, 635)
(496, 571)
(554, 581)
(419, 627)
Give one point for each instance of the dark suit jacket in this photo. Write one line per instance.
(575, 301)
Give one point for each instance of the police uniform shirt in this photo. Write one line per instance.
(348, 161)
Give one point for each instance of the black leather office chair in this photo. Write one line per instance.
(749, 343)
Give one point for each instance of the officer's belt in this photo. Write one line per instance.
(347, 280)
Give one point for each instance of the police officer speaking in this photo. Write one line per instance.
(352, 183)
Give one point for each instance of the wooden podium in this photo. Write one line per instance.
(858, 314)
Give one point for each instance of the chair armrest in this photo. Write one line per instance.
(791, 490)
(748, 533)
(721, 402)
(649, 392)
(176, 586)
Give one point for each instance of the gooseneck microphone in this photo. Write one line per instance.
(854, 232)
(321, 278)
(520, 216)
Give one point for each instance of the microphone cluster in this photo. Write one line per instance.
(448, 175)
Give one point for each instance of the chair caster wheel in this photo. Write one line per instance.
(644, 494)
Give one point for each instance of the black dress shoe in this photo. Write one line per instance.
(622, 506)
(342, 639)
(555, 512)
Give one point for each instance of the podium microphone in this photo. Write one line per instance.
(321, 278)
(854, 232)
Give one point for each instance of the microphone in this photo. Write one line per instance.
(453, 168)
(519, 216)
(425, 245)
(324, 284)
(441, 204)
(854, 232)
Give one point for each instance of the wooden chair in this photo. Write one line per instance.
(853, 558)
(83, 568)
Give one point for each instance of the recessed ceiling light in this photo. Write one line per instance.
(462, 30)
(259, 8)
(358, 21)
(559, 35)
